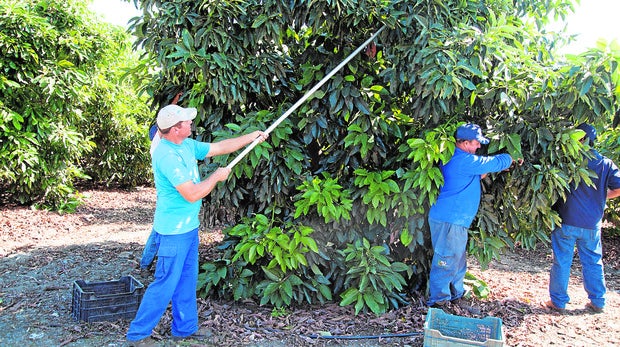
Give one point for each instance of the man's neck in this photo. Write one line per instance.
(174, 139)
(461, 146)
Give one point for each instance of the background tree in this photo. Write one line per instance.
(66, 113)
(335, 203)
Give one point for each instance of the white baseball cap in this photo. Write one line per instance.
(170, 115)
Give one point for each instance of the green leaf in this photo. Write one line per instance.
(273, 276)
(370, 301)
(405, 237)
(349, 296)
(188, 41)
(585, 87)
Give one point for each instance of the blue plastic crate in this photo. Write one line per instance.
(444, 329)
(106, 301)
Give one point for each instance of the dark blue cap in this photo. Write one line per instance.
(589, 130)
(470, 132)
(152, 132)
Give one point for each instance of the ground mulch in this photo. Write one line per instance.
(42, 253)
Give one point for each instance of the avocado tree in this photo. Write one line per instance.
(333, 206)
(66, 114)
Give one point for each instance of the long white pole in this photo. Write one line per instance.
(304, 98)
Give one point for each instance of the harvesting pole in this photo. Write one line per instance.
(304, 98)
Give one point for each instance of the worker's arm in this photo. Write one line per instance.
(612, 193)
(193, 192)
(230, 145)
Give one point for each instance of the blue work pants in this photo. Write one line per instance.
(449, 262)
(176, 276)
(589, 247)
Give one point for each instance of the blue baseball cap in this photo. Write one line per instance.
(152, 132)
(470, 132)
(589, 130)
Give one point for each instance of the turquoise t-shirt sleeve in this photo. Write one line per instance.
(200, 149)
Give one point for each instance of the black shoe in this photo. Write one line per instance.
(439, 304)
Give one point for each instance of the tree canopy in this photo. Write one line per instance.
(336, 202)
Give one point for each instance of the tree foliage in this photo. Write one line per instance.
(65, 113)
(357, 163)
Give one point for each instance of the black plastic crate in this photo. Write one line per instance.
(106, 301)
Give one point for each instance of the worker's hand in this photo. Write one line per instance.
(260, 134)
(517, 162)
(176, 98)
(221, 174)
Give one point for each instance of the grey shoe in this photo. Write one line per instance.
(201, 334)
(594, 308)
(145, 342)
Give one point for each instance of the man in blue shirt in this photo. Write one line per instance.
(179, 198)
(456, 207)
(582, 216)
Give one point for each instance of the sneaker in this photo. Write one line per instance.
(145, 342)
(594, 308)
(550, 305)
(200, 334)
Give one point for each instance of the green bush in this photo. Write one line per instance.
(62, 117)
(372, 278)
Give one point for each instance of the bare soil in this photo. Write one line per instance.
(42, 253)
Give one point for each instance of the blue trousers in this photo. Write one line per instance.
(588, 242)
(449, 262)
(149, 252)
(176, 276)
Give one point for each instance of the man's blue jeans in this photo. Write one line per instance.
(588, 242)
(449, 262)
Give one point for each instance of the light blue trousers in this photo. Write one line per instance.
(449, 262)
(588, 242)
(176, 276)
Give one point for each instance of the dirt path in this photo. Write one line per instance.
(42, 253)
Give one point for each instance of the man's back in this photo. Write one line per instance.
(585, 204)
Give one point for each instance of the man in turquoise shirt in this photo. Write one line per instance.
(456, 206)
(179, 198)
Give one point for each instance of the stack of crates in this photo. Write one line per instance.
(106, 301)
(444, 329)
